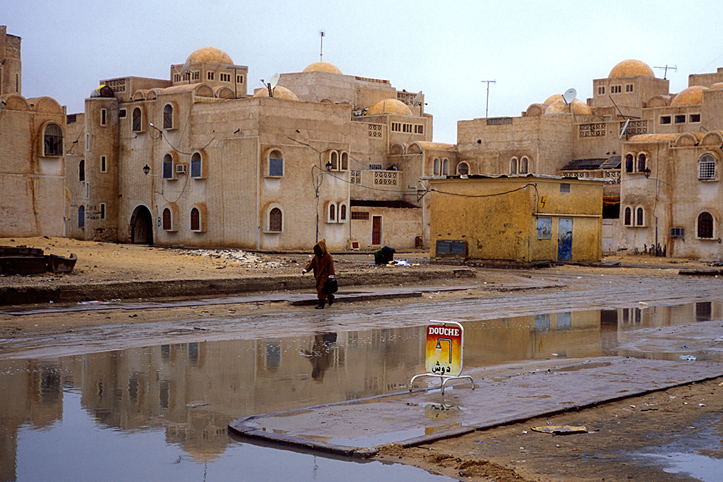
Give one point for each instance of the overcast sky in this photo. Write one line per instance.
(532, 49)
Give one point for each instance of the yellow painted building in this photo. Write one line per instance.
(516, 218)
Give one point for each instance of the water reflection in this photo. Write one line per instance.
(190, 391)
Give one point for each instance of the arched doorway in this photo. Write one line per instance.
(141, 226)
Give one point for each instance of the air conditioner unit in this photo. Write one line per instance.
(180, 169)
(677, 232)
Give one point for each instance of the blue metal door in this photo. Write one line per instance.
(564, 240)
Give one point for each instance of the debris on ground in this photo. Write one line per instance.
(560, 429)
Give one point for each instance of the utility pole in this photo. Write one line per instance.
(487, 105)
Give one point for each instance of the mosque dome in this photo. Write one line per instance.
(559, 107)
(279, 93)
(717, 85)
(210, 54)
(323, 67)
(691, 96)
(553, 98)
(631, 68)
(389, 106)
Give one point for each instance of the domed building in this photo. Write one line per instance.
(196, 160)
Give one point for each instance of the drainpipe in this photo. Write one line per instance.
(259, 217)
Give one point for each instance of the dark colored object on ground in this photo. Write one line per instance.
(23, 260)
(384, 255)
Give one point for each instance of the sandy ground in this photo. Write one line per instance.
(510, 453)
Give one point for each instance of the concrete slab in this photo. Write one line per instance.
(359, 427)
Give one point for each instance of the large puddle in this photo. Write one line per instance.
(161, 412)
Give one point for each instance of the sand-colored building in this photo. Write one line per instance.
(197, 161)
(32, 148)
(522, 218)
(658, 152)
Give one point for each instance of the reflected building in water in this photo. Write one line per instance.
(193, 390)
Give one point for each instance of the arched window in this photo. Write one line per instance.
(642, 162)
(276, 220)
(168, 166)
(343, 209)
(331, 212)
(445, 167)
(639, 216)
(705, 225)
(276, 163)
(437, 171)
(137, 120)
(81, 217)
(344, 161)
(167, 219)
(706, 168)
(524, 162)
(197, 165)
(168, 116)
(513, 166)
(629, 162)
(81, 170)
(462, 168)
(53, 140)
(628, 216)
(195, 219)
(334, 160)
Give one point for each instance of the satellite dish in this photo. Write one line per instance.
(418, 98)
(569, 96)
(186, 66)
(274, 80)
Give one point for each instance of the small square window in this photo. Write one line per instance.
(665, 119)
(123, 113)
(209, 75)
(629, 87)
(564, 187)
(694, 118)
(680, 119)
(601, 90)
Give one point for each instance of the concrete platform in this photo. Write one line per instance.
(359, 427)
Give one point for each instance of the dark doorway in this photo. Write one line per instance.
(141, 226)
(564, 240)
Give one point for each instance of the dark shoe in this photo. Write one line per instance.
(321, 305)
(331, 300)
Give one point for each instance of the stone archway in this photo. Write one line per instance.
(141, 227)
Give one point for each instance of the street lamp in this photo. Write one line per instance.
(146, 169)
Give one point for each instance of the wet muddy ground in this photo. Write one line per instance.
(642, 438)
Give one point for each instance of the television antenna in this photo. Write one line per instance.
(666, 68)
(487, 104)
(322, 34)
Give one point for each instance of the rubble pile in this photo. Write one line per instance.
(244, 258)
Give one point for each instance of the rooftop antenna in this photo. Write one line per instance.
(321, 47)
(666, 68)
(487, 104)
(569, 95)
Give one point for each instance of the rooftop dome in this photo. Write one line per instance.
(279, 93)
(323, 67)
(717, 85)
(210, 54)
(552, 98)
(389, 106)
(691, 96)
(631, 68)
(559, 107)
